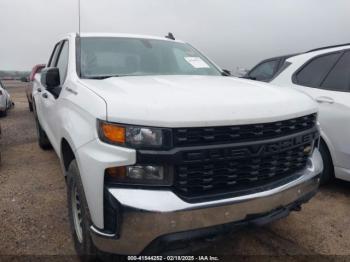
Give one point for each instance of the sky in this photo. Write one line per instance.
(233, 33)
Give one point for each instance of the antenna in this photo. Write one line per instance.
(78, 44)
(170, 36)
(79, 30)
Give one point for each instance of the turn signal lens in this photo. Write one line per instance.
(116, 172)
(112, 133)
(134, 136)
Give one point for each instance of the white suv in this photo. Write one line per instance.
(158, 145)
(324, 75)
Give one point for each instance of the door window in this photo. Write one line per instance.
(313, 72)
(264, 71)
(62, 62)
(338, 78)
(53, 56)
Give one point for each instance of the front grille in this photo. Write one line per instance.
(204, 173)
(233, 134)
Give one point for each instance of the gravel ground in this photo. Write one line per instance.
(33, 210)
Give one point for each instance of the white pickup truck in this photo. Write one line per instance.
(159, 145)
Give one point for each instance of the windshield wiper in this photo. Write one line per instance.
(101, 76)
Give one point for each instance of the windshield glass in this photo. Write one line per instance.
(103, 57)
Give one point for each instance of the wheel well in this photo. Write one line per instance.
(67, 153)
(323, 142)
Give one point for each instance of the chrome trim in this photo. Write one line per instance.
(148, 214)
(100, 233)
(167, 201)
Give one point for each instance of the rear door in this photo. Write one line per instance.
(327, 80)
(50, 98)
(38, 89)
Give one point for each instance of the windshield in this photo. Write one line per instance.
(103, 57)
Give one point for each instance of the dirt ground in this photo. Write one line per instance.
(33, 212)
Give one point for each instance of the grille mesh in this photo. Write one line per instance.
(232, 134)
(208, 172)
(215, 176)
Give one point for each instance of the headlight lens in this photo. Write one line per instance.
(146, 136)
(140, 175)
(133, 136)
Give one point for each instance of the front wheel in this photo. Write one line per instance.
(79, 216)
(80, 220)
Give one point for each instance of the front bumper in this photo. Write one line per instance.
(149, 214)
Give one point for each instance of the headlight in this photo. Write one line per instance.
(140, 175)
(144, 136)
(133, 136)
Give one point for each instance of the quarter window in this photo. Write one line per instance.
(265, 71)
(314, 72)
(338, 78)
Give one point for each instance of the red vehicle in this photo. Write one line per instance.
(36, 69)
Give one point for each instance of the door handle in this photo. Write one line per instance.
(324, 99)
(39, 89)
(45, 95)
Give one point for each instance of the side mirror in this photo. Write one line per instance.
(50, 77)
(226, 72)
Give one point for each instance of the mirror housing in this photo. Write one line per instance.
(50, 77)
(226, 72)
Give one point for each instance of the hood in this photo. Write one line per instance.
(190, 101)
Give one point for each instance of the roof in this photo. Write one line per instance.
(316, 52)
(122, 35)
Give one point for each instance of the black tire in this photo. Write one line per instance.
(84, 246)
(43, 140)
(328, 169)
(3, 113)
(30, 106)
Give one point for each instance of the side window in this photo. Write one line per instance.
(312, 74)
(265, 71)
(62, 62)
(338, 78)
(53, 56)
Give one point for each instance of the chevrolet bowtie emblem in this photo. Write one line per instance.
(307, 150)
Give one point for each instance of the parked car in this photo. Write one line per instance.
(158, 145)
(5, 100)
(324, 75)
(29, 87)
(267, 69)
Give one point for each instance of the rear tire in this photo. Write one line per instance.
(43, 140)
(30, 106)
(3, 113)
(328, 169)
